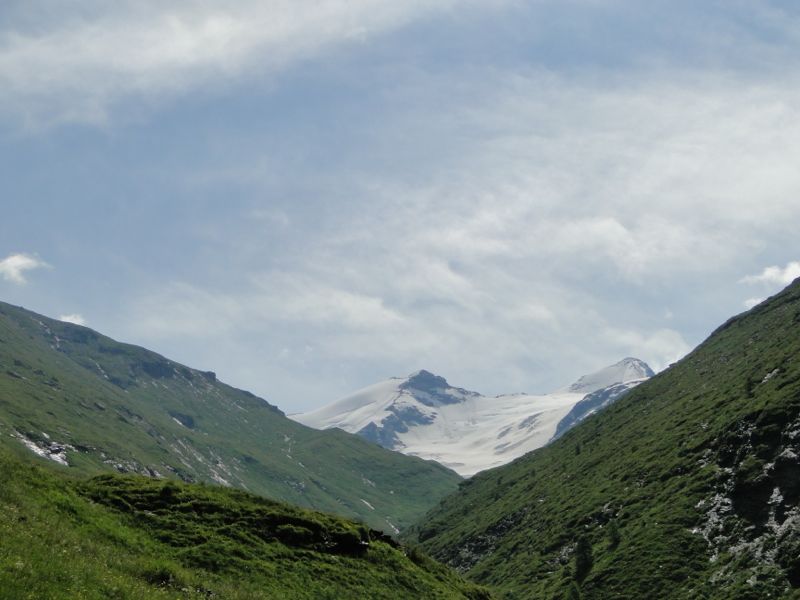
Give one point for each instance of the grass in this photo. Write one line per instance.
(116, 536)
(119, 407)
(688, 487)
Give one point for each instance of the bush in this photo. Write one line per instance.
(583, 559)
(350, 541)
(573, 592)
(613, 535)
(161, 574)
(294, 535)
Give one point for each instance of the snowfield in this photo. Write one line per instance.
(422, 415)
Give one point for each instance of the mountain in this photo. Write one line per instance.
(128, 536)
(628, 369)
(686, 487)
(592, 403)
(89, 403)
(422, 415)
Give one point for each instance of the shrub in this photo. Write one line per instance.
(294, 535)
(583, 559)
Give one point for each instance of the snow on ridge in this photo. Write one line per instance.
(628, 369)
(422, 415)
(355, 411)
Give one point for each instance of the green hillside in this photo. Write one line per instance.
(82, 399)
(128, 536)
(688, 487)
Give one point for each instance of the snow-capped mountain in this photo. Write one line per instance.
(422, 415)
(628, 369)
(594, 402)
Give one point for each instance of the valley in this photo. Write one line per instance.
(624, 484)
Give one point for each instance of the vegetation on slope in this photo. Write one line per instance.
(81, 398)
(688, 487)
(128, 536)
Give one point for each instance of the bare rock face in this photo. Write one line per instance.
(754, 511)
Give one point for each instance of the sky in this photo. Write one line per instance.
(309, 196)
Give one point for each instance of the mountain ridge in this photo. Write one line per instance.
(85, 401)
(423, 415)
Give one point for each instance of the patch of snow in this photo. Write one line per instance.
(99, 368)
(369, 506)
(770, 375)
(219, 478)
(391, 525)
(53, 451)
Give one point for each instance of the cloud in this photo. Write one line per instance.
(752, 302)
(775, 275)
(494, 332)
(505, 220)
(13, 267)
(650, 176)
(558, 212)
(74, 318)
(659, 348)
(82, 60)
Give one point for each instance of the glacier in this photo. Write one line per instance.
(423, 415)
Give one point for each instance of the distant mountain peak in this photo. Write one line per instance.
(637, 363)
(425, 381)
(628, 369)
(433, 390)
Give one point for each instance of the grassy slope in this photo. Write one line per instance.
(128, 536)
(688, 487)
(123, 408)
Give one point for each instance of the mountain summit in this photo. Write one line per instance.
(433, 390)
(423, 415)
(628, 369)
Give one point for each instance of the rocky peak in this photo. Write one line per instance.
(425, 381)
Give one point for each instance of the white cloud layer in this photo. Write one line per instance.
(532, 250)
(775, 275)
(82, 59)
(505, 221)
(752, 302)
(13, 267)
(73, 318)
